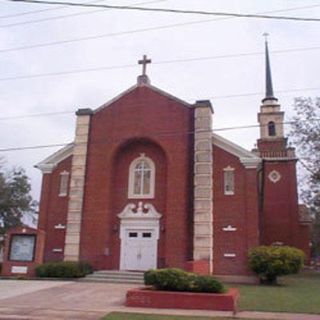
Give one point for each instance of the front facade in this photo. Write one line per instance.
(146, 184)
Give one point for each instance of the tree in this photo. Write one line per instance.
(306, 135)
(270, 262)
(15, 199)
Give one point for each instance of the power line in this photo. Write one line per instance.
(179, 11)
(34, 115)
(34, 147)
(48, 114)
(186, 60)
(15, 24)
(58, 73)
(259, 93)
(29, 12)
(103, 10)
(166, 134)
(121, 33)
(95, 37)
(61, 6)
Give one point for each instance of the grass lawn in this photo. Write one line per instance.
(136, 316)
(294, 294)
(299, 293)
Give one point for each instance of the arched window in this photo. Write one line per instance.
(141, 178)
(271, 129)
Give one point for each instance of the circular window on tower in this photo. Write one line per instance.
(274, 176)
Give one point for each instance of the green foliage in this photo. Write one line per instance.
(269, 262)
(66, 269)
(305, 135)
(208, 284)
(15, 198)
(173, 279)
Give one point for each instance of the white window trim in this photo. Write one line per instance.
(62, 175)
(228, 192)
(133, 164)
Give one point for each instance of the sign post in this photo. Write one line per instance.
(23, 251)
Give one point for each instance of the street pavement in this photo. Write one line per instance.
(60, 300)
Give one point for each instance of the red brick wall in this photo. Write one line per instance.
(141, 121)
(272, 145)
(53, 211)
(280, 208)
(239, 210)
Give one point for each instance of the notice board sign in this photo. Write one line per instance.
(22, 247)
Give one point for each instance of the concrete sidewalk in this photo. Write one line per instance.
(53, 300)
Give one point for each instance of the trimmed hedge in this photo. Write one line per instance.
(173, 279)
(269, 262)
(65, 269)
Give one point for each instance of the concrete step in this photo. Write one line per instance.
(101, 276)
(114, 276)
(103, 280)
(119, 273)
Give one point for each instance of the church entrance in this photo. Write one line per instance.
(139, 250)
(139, 234)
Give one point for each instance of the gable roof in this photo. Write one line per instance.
(247, 158)
(49, 163)
(132, 88)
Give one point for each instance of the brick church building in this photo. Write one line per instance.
(146, 184)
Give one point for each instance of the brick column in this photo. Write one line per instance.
(77, 183)
(203, 184)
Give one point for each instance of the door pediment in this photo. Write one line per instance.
(139, 212)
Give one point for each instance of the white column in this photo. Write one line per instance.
(203, 184)
(77, 183)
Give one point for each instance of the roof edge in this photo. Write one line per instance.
(247, 158)
(160, 91)
(48, 164)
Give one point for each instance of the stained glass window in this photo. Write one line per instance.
(141, 178)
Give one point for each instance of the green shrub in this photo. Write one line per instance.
(173, 279)
(208, 284)
(269, 262)
(85, 267)
(65, 269)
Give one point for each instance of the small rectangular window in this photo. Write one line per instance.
(146, 235)
(133, 234)
(64, 180)
(228, 176)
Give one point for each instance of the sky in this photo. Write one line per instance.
(57, 58)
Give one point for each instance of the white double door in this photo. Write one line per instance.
(139, 250)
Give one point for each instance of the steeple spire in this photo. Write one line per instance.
(269, 87)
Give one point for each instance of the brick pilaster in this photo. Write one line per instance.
(203, 184)
(77, 183)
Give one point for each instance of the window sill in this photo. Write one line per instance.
(62, 194)
(144, 196)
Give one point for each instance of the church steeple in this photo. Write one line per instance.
(269, 86)
(272, 142)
